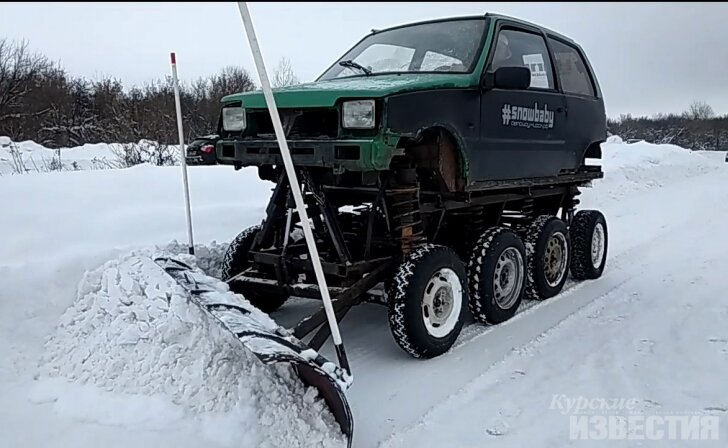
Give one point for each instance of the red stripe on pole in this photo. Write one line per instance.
(173, 58)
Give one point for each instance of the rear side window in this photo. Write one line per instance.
(572, 70)
(520, 48)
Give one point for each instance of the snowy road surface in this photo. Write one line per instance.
(639, 331)
(651, 329)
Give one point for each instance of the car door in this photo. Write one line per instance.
(522, 131)
(584, 105)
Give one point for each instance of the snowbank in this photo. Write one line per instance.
(132, 333)
(636, 167)
(35, 158)
(73, 214)
(31, 157)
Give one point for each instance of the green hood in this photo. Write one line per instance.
(326, 93)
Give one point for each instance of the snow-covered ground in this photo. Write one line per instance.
(651, 329)
(651, 332)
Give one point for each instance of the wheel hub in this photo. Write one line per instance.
(441, 302)
(442, 305)
(508, 277)
(597, 246)
(555, 259)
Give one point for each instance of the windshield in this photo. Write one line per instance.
(450, 46)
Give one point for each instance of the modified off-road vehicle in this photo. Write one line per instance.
(441, 160)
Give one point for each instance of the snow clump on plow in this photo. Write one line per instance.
(134, 330)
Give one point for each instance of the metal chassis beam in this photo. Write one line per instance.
(342, 304)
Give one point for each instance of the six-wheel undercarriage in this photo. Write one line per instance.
(435, 253)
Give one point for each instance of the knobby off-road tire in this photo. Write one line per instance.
(427, 301)
(589, 243)
(236, 261)
(548, 248)
(496, 275)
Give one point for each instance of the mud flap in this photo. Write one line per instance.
(271, 343)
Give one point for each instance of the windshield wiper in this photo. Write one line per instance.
(352, 64)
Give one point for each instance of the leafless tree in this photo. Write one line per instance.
(694, 133)
(39, 101)
(231, 79)
(283, 74)
(20, 71)
(699, 110)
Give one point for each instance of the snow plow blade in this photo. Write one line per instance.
(271, 343)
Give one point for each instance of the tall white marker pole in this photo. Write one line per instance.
(295, 186)
(183, 163)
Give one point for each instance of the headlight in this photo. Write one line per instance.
(358, 114)
(233, 118)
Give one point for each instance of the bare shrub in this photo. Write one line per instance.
(145, 151)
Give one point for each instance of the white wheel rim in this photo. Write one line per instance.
(555, 258)
(442, 302)
(508, 278)
(597, 246)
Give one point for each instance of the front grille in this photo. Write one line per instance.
(299, 124)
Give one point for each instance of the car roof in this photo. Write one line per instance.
(483, 16)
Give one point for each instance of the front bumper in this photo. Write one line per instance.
(350, 154)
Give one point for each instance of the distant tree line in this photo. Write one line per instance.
(698, 128)
(40, 101)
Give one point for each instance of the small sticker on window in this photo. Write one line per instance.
(539, 78)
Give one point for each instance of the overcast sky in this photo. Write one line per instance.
(649, 57)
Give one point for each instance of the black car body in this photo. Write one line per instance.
(202, 150)
(523, 102)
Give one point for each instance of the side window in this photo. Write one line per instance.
(520, 48)
(573, 73)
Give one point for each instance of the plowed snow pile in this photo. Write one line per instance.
(133, 333)
(637, 167)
